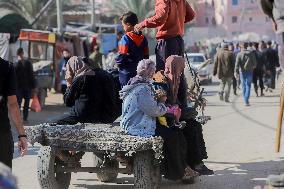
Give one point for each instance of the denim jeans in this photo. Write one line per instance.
(246, 79)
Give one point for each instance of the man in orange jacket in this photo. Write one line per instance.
(169, 19)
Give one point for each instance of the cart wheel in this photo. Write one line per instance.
(146, 174)
(112, 166)
(48, 177)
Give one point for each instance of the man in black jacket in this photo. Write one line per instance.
(25, 80)
(272, 62)
(259, 70)
(8, 104)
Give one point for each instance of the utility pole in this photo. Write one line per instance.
(44, 9)
(59, 16)
(93, 16)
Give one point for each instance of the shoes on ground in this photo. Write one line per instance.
(189, 176)
(203, 170)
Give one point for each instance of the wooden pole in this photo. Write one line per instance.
(44, 9)
(279, 123)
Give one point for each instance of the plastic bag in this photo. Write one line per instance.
(35, 106)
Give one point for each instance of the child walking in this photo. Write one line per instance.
(132, 48)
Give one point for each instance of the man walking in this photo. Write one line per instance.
(258, 71)
(234, 80)
(169, 19)
(224, 69)
(9, 104)
(272, 61)
(25, 81)
(245, 64)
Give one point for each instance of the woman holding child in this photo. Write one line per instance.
(140, 111)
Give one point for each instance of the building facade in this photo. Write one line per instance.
(234, 16)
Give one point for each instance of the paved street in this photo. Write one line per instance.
(240, 143)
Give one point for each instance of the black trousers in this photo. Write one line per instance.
(166, 48)
(258, 76)
(235, 85)
(273, 78)
(6, 148)
(26, 95)
(174, 149)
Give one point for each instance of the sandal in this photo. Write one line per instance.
(190, 172)
(189, 175)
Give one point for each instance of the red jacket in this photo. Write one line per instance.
(169, 18)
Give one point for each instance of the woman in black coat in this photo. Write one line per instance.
(91, 94)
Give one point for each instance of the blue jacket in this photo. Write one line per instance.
(132, 48)
(140, 110)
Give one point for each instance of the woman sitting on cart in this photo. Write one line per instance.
(139, 114)
(91, 94)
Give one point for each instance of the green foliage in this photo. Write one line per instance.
(28, 9)
(143, 9)
(15, 20)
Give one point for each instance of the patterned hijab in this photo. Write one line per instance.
(76, 67)
(173, 69)
(145, 71)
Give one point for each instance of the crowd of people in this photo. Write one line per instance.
(144, 111)
(150, 97)
(92, 93)
(246, 63)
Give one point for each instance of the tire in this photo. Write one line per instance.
(146, 174)
(112, 168)
(47, 175)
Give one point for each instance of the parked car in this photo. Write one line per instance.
(201, 65)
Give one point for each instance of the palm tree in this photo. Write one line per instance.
(27, 9)
(143, 9)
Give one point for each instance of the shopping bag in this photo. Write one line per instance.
(35, 106)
